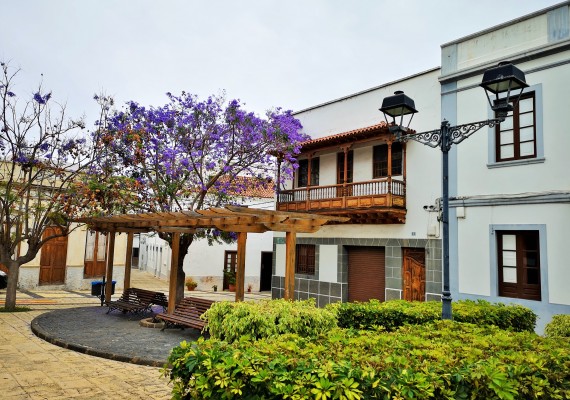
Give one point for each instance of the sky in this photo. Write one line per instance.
(292, 54)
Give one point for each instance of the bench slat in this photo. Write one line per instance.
(137, 300)
(187, 313)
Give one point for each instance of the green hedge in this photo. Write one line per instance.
(231, 321)
(558, 327)
(393, 314)
(443, 360)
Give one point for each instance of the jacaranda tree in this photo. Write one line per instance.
(41, 156)
(193, 154)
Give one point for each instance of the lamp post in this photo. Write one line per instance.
(505, 78)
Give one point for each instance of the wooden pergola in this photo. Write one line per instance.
(241, 220)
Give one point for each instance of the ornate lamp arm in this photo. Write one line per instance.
(453, 134)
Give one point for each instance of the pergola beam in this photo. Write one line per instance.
(173, 272)
(231, 219)
(128, 261)
(240, 267)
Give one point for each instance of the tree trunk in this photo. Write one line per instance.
(13, 271)
(185, 242)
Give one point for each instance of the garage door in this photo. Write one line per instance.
(366, 273)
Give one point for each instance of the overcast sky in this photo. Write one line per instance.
(268, 53)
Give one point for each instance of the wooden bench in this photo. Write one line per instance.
(187, 314)
(138, 300)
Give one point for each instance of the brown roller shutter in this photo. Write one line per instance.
(366, 273)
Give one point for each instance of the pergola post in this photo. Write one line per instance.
(290, 250)
(175, 246)
(240, 267)
(110, 260)
(128, 261)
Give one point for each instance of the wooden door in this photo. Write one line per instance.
(230, 264)
(414, 274)
(266, 270)
(366, 273)
(53, 259)
(95, 254)
(344, 191)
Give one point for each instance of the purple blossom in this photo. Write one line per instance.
(41, 99)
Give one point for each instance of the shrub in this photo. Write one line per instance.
(393, 314)
(443, 360)
(558, 327)
(17, 309)
(230, 321)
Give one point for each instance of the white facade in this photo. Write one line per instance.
(511, 197)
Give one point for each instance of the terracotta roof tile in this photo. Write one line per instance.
(346, 137)
(254, 187)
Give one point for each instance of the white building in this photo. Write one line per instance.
(391, 249)
(509, 186)
(510, 217)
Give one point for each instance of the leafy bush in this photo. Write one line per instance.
(393, 314)
(558, 327)
(443, 360)
(231, 321)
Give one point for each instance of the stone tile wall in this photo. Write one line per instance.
(308, 286)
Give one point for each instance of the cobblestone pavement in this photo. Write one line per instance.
(31, 368)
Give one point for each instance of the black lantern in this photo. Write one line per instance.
(398, 105)
(504, 78)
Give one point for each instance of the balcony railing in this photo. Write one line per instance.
(380, 193)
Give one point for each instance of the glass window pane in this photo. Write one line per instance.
(530, 258)
(509, 258)
(526, 134)
(509, 242)
(530, 240)
(532, 276)
(525, 105)
(507, 151)
(526, 119)
(89, 246)
(507, 137)
(510, 275)
(527, 149)
(507, 123)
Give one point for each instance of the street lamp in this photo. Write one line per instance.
(505, 78)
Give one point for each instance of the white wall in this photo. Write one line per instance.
(328, 260)
(475, 271)
(361, 109)
(474, 175)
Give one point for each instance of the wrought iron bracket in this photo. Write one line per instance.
(446, 135)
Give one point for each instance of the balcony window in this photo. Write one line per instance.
(340, 167)
(380, 160)
(303, 172)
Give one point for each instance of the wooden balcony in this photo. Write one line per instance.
(381, 201)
